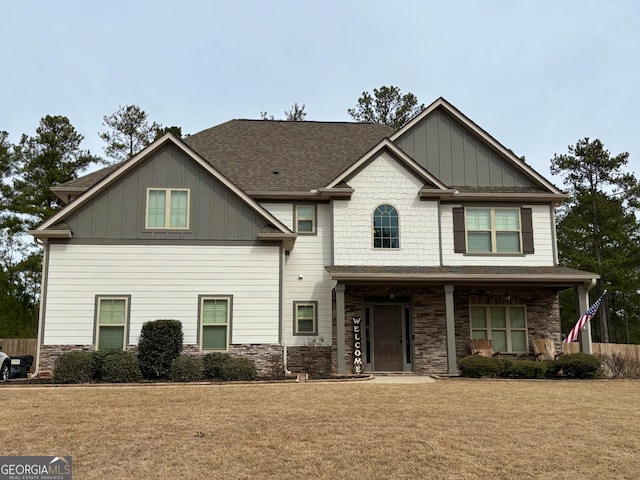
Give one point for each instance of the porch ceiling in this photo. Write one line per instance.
(470, 275)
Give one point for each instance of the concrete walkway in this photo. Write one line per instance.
(400, 379)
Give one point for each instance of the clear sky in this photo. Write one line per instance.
(537, 75)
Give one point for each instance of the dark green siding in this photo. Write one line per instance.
(216, 213)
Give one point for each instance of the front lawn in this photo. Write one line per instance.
(458, 428)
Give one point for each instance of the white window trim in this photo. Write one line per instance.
(508, 329)
(125, 336)
(313, 219)
(493, 230)
(167, 208)
(373, 236)
(314, 305)
(201, 325)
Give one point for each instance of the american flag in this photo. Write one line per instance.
(582, 321)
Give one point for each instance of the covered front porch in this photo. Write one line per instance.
(421, 319)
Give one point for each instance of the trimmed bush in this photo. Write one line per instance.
(238, 368)
(525, 369)
(120, 367)
(579, 365)
(477, 366)
(212, 364)
(159, 345)
(553, 368)
(74, 367)
(186, 368)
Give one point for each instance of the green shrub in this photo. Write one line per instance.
(120, 367)
(525, 369)
(74, 367)
(238, 368)
(477, 366)
(186, 368)
(580, 365)
(553, 368)
(159, 345)
(212, 364)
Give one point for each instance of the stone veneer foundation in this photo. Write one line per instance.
(266, 357)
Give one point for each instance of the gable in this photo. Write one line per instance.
(456, 154)
(118, 210)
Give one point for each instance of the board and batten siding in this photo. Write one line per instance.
(164, 281)
(543, 242)
(215, 212)
(456, 156)
(307, 259)
(385, 181)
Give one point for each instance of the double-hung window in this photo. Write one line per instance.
(493, 230)
(112, 321)
(505, 326)
(386, 229)
(306, 219)
(215, 323)
(167, 208)
(305, 318)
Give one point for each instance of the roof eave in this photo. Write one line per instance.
(427, 193)
(65, 193)
(319, 194)
(566, 280)
(508, 196)
(52, 233)
(288, 240)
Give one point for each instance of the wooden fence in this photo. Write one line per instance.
(632, 351)
(18, 346)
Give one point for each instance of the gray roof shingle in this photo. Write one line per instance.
(306, 155)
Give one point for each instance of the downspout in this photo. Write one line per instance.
(43, 302)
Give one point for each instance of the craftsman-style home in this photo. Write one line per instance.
(386, 250)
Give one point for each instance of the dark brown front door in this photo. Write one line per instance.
(387, 338)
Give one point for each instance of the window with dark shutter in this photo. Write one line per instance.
(492, 230)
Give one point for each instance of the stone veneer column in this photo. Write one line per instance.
(585, 333)
(340, 330)
(452, 367)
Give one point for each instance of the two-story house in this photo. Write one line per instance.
(390, 249)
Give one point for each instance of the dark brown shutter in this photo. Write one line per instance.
(527, 230)
(459, 243)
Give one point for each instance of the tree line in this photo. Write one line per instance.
(597, 227)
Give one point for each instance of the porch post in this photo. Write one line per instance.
(340, 330)
(452, 367)
(585, 333)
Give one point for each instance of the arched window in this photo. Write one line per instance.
(386, 233)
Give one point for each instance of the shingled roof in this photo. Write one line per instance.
(271, 155)
(281, 156)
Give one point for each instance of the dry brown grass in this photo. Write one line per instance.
(451, 429)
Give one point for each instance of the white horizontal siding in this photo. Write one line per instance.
(164, 281)
(386, 181)
(542, 241)
(282, 211)
(308, 259)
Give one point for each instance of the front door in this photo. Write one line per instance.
(387, 338)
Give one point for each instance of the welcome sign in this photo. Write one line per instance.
(357, 344)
